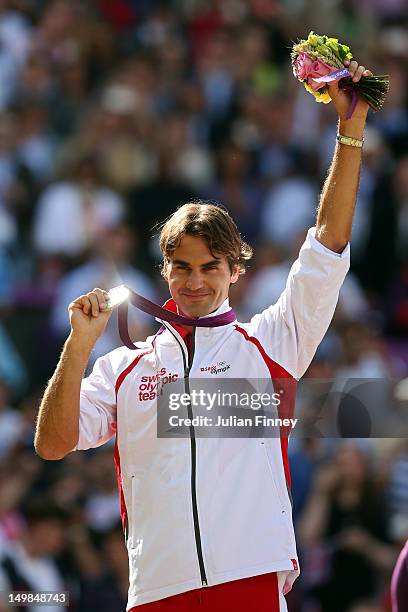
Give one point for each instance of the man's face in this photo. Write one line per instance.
(198, 280)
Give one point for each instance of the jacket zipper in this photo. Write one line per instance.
(187, 367)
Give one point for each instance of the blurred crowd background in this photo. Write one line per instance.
(111, 115)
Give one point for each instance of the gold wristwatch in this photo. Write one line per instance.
(351, 142)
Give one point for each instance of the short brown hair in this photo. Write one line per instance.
(210, 222)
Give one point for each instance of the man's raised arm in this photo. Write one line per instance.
(337, 203)
(57, 428)
(293, 328)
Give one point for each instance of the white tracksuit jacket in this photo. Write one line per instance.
(209, 510)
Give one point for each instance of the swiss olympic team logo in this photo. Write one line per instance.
(150, 386)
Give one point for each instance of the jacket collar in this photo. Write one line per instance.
(183, 331)
(172, 306)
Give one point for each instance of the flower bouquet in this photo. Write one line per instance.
(319, 60)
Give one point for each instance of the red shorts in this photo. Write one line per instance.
(258, 593)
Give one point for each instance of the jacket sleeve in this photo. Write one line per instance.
(97, 418)
(292, 329)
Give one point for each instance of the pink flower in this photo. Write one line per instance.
(308, 70)
(302, 66)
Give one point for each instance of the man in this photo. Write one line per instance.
(207, 521)
(28, 564)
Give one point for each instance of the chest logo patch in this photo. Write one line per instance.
(218, 368)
